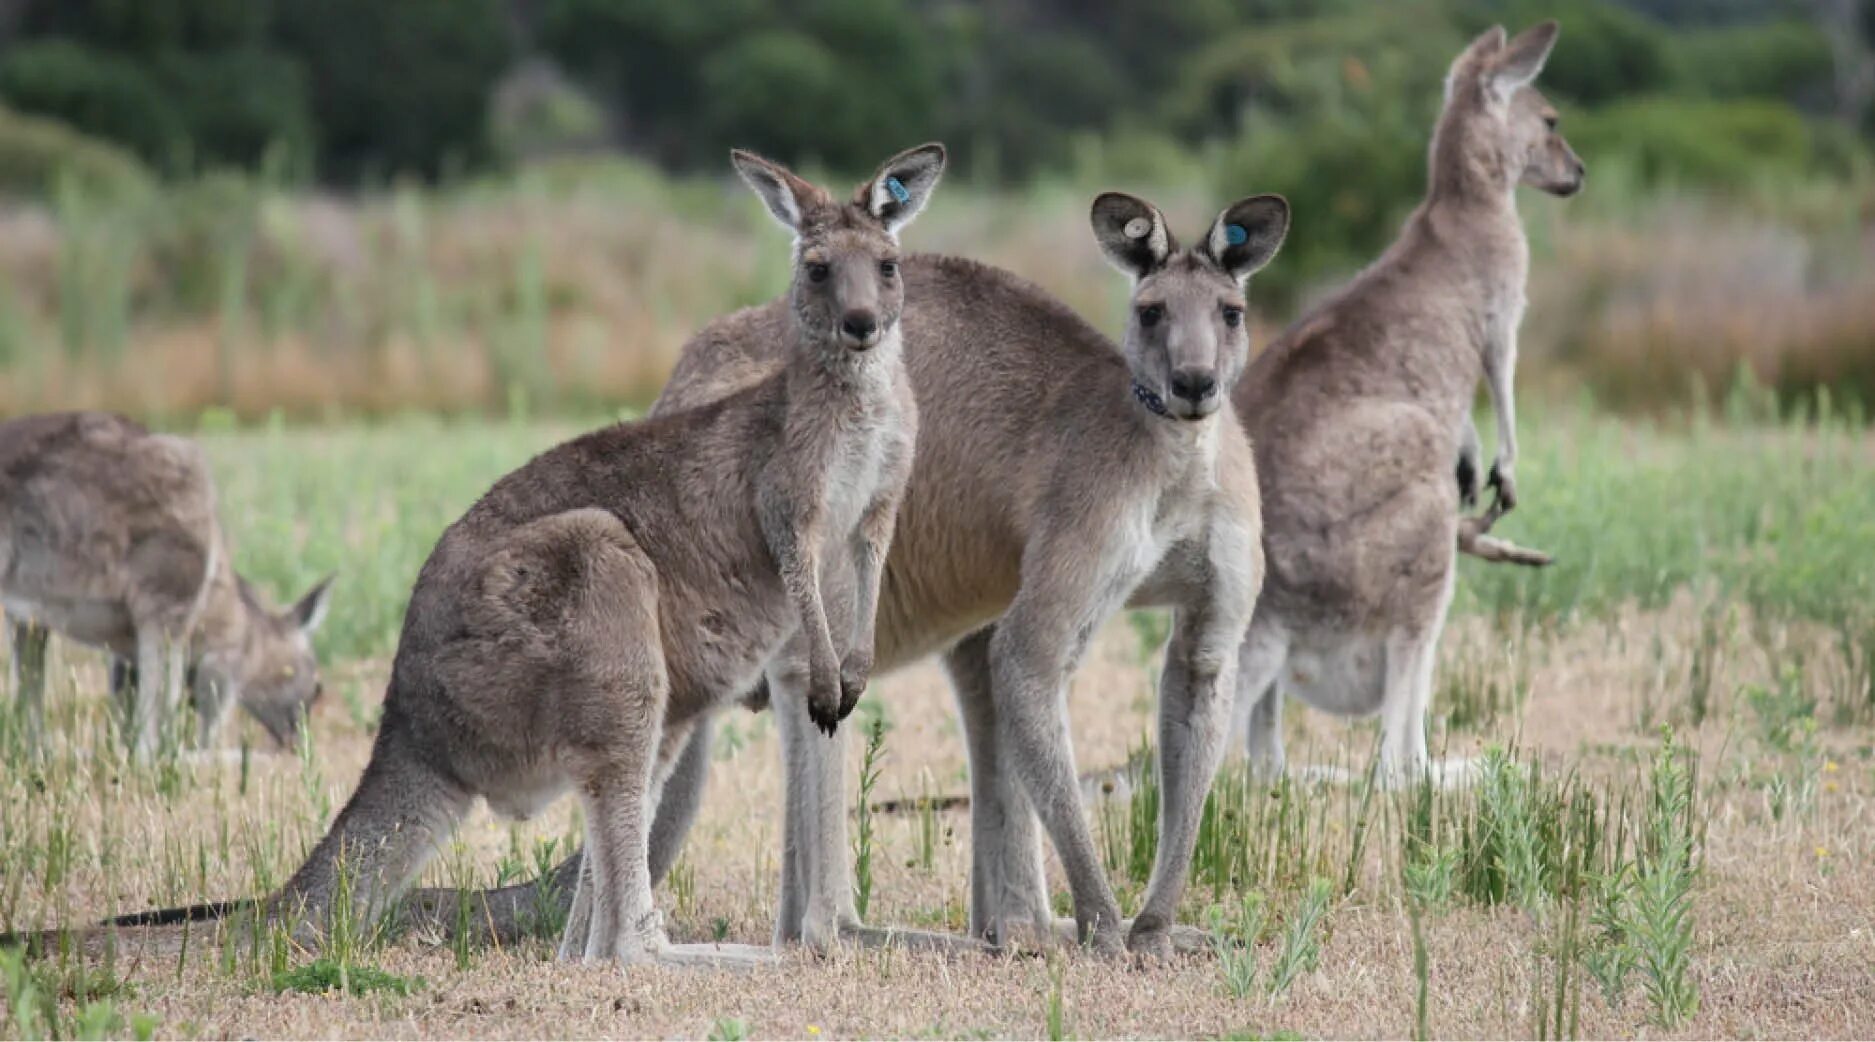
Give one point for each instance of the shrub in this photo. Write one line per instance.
(236, 106)
(397, 87)
(36, 154)
(94, 91)
(1788, 60)
(1704, 143)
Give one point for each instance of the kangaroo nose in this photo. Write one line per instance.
(1193, 385)
(859, 325)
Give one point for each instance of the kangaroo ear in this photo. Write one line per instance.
(1519, 62)
(786, 195)
(1475, 58)
(309, 611)
(903, 185)
(1248, 233)
(1132, 233)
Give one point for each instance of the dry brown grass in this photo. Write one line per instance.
(577, 287)
(1785, 910)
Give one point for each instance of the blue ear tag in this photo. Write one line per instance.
(897, 188)
(1235, 234)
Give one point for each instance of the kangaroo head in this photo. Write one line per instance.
(846, 292)
(275, 673)
(1500, 125)
(1186, 342)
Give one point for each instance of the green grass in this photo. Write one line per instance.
(325, 975)
(1783, 514)
(366, 502)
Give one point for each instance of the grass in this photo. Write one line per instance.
(1777, 526)
(325, 975)
(863, 833)
(1601, 878)
(574, 284)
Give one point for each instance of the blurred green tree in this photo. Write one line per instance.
(94, 92)
(397, 85)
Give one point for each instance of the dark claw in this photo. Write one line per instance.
(849, 695)
(827, 722)
(1505, 494)
(1467, 481)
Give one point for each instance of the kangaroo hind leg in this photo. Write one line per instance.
(597, 649)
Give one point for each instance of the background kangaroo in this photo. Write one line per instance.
(574, 627)
(1359, 409)
(109, 536)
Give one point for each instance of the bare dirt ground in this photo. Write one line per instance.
(1784, 909)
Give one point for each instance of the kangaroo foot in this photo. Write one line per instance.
(913, 940)
(716, 956)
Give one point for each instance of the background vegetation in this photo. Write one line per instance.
(349, 206)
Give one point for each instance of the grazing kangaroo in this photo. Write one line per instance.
(1359, 409)
(1058, 477)
(575, 626)
(109, 536)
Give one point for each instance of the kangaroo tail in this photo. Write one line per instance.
(402, 809)
(1473, 539)
(207, 911)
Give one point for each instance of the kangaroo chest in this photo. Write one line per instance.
(859, 469)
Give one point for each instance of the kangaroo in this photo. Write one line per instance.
(1358, 410)
(109, 537)
(1058, 477)
(575, 626)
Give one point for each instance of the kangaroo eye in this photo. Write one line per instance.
(888, 268)
(1150, 315)
(818, 272)
(1233, 315)
(1550, 122)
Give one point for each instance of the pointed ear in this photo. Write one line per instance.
(1132, 233)
(1519, 62)
(1247, 234)
(309, 611)
(786, 195)
(1475, 58)
(903, 185)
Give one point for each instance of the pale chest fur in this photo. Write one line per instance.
(1206, 517)
(1503, 299)
(869, 446)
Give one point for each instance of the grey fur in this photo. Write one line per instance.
(596, 605)
(109, 537)
(588, 614)
(1014, 545)
(1358, 411)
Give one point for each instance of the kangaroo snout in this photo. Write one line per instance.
(1578, 176)
(1195, 385)
(860, 329)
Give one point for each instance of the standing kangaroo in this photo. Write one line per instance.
(1359, 409)
(109, 536)
(580, 621)
(1057, 480)
(1058, 477)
